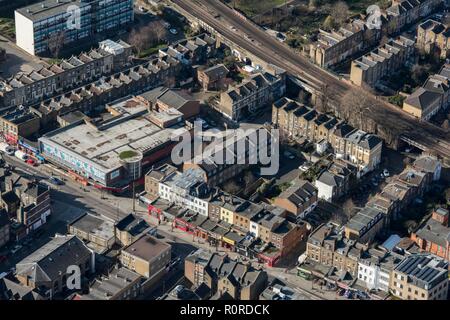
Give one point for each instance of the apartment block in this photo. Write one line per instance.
(50, 80)
(433, 235)
(384, 60)
(213, 78)
(420, 277)
(433, 37)
(431, 97)
(37, 25)
(251, 96)
(146, 256)
(299, 122)
(129, 229)
(46, 269)
(375, 268)
(327, 246)
(334, 47)
(26, 201)
(402, 13)
(235, 160)
(192, 51)
(186, 189)
(224, 276)
(299, 199)
(365, 225)
(87, 98)
(18, 123)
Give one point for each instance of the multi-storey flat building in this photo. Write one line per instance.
(146, 256)
(224, 276)
(46, 269)
(327, 246)
(299, 199)
(370, 68)
(433, 235)
(365, 225)
(252, 95)
(336, 46)
(187, 189)
(237, 159)
(375, 268)
(402, 13)
(420, 277)
(433, 36)
(49, 80)
(432, 97)
(299, 121)
(137, 79)
(4, 227)
(191, 51)
(40, 23)
(17, 123)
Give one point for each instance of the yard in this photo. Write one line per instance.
(7, 27)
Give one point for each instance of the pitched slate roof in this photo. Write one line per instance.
(46, 263)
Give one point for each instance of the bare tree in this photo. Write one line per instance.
(159, 32)
(348, 207)
(354, 106)
(340, 12)
(143, 38)
(56, 42)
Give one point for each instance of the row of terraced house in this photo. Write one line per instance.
(226, 220)
(336, 46)
(300, 121)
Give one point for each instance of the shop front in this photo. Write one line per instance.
(269, 260)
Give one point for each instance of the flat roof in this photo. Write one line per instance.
(147, 247)
(94, 225)
(49, 8)
(131, 130)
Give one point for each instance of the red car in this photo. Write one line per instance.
(31, 162)
(2, 258)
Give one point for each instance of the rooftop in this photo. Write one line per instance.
(52, 259)
(129, 128)
(109, 286)
(424, 270)
(147, 248)
(91, 224)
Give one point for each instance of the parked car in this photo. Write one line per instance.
(289, 155)
(2, 259)
(173, 31)
(31, 162)
(16, 249)
(55, 181)
(386, 173)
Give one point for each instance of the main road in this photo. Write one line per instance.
(390, 120)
